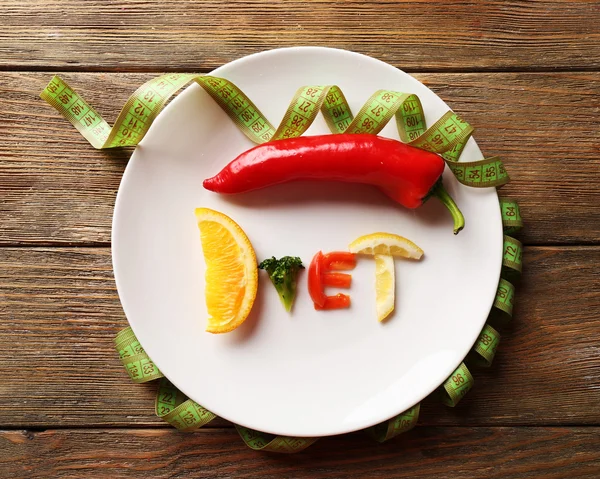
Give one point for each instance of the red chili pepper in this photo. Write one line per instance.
(339, 301)
(337, 280)
(315, 282)
(339, 260)
(406, 174)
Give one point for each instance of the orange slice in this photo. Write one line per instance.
(231, 270)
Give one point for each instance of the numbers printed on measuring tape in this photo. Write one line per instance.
(457, 385)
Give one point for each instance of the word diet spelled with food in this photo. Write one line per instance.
(232, 271)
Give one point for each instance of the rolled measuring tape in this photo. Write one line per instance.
(447, 137)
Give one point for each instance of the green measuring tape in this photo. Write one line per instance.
(403, 422)
(457, 385)
(511, 216)
(179, 411)
(139, 366)
(486, 346)
(447, 137)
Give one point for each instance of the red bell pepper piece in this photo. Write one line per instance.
(339, 260)
(337, 280)
(408, 175)
(319, 277)
(315, 282)
(339, 301)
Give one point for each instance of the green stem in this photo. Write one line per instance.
(459, 220)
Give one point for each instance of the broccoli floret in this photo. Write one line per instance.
(284, 274)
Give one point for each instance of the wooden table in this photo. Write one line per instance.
(525, 74)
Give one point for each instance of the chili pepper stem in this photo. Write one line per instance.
(459, 220)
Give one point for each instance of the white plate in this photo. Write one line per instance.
(311, 373)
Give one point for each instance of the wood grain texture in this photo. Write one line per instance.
(203, 34)
(56, 189)
(59, 312)
(59, 309)
(424, 452)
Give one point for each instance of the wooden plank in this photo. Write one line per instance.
(132, 35)
(424, 452)
(59, 312)
(56, 189)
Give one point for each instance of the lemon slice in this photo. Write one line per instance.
(385, 285)
(384, 247)
(231, 270)
(386, 244)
